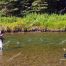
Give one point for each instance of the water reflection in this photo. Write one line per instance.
(1, 57)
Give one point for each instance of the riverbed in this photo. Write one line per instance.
(34, 49)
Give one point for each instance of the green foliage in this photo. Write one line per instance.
(32, 21)
(15, 8)
(23, 7)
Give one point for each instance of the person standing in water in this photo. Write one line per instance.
(1, 40)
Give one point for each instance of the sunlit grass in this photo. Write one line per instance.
(30, 21)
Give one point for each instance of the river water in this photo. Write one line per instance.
(34, 49)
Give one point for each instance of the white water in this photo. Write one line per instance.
(63, 41)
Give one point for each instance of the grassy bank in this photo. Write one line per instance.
(34, 22)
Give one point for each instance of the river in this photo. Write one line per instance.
(34, 49)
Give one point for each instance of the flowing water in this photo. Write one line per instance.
(34, 49)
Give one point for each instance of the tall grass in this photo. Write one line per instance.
(33, 21)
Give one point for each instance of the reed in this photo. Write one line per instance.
(34, 21)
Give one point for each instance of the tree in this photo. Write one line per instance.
(23, 7)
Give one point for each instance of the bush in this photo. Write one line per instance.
(33, 20)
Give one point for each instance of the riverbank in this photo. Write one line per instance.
(23, 31)
(34, 23)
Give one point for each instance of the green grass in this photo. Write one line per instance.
(34, 20)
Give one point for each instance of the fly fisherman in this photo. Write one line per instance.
(1, 40)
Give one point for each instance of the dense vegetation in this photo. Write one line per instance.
(34, 22)
(32, 15)
(23, 7)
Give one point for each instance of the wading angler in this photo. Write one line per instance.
(1, 40)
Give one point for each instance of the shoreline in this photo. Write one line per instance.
(25, 31)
